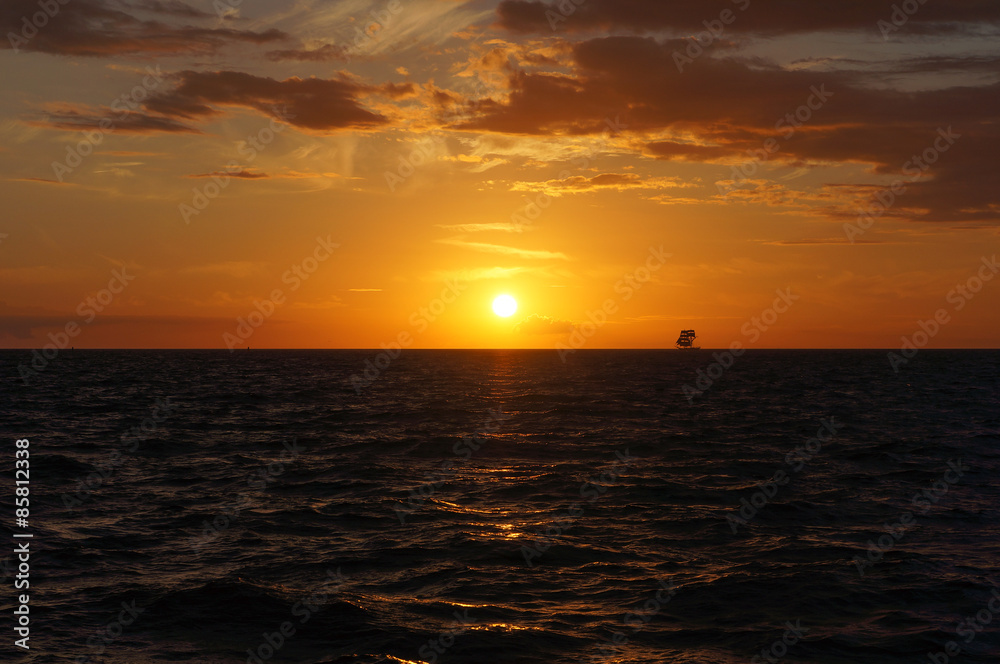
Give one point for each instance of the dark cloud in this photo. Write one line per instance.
(766, 17)
(985, 64)
(131, 123)
(324, 53)
(170, 8)
(724, 109)
(101, 28)
(937, 64)
(311, 103)
(243, 175)
(689, 151)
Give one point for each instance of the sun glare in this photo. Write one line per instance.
(504, 306)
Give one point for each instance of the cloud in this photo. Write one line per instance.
(481, 228)
(43, 181)
(311, 103)
(675, 151)
(766, 17)
(479, 273)
(821, 241)
(168, 7)
(723, 110)
(82, 119)
(245, 174)
(668, 199)
(104, 28)
(329, 303)
(505, 250)
(323, 53)
(608, 181)
(535, 324)
(241, 174)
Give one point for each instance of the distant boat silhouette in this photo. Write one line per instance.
(686, 340)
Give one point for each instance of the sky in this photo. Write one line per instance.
(349, 174)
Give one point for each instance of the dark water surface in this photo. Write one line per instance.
(501, 506)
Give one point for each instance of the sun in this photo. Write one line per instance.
(504, 306)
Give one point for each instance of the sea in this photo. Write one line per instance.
(502, 506)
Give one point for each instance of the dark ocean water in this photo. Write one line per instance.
(501, 506)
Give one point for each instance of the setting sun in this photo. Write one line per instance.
(504, 306)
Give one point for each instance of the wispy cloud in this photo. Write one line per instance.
(481, 273)
(605, 181)
(43, 181)
(822, 241)
(536, 324)
(505, 250)
(103, 28)
(481, 228)
(243, 174)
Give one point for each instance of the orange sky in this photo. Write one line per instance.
(390, 173)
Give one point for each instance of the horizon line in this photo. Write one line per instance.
(584, 350)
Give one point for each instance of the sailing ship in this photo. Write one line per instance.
(686, 340)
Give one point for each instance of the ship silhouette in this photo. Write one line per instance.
(686, 340)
